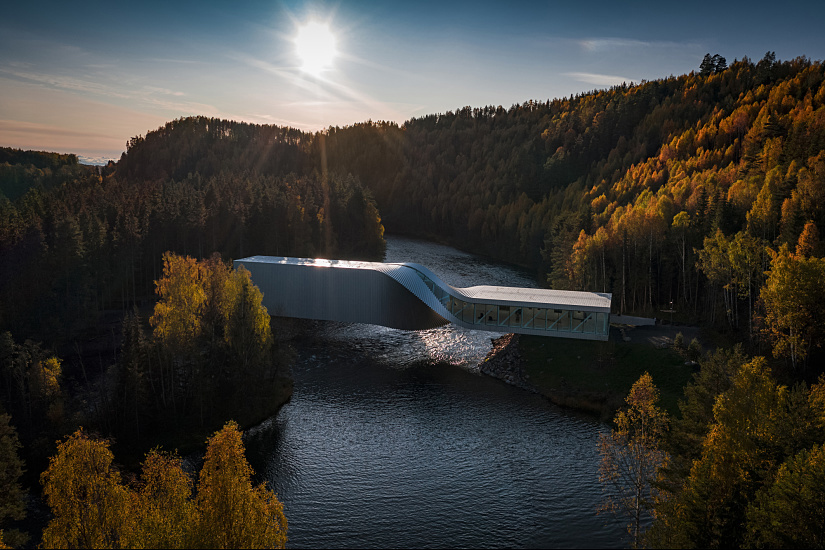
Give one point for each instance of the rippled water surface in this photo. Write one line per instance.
(392, 439)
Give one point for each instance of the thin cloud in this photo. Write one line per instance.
(326, 91)
(65, 83)
(610, 44)
(598, 79)
(149, 95)
(177, 61)
(192, 107)
(164, 91)
(48, 137)
(22, 127)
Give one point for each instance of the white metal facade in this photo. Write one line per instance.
(411, 297)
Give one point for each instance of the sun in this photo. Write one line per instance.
(315, 46)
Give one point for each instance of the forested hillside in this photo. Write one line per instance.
(703, 193)
(675, 190)
(680, 189)
(22, 170)
(90, 242)
(88, 256)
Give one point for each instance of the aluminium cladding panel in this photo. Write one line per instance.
(407, 278)
(352, 295)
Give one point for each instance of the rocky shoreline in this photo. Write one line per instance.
(504, 362)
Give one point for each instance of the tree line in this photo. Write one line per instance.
(81, 245)
(95, 243)
(94, 508)
(701, 192)
(743, 465)
(677, 193)
(630, 190)
(210, 356)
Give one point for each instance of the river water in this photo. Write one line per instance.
(393, 439)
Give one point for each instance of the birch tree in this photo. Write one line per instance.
(631, 455)
(793, 295)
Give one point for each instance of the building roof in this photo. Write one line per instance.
(518, 296)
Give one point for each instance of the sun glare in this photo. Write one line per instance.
(315, 46)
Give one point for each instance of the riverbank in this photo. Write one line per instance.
(592, 377)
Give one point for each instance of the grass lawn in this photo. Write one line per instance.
(597, 376)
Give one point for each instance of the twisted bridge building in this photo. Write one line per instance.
(409, 296)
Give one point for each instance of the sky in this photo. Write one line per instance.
(85, 77)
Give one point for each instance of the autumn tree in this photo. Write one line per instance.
(754, 424)
(631, 454)
(166, 511)
(233, 512)
(212, 343)
(788, 513)
(176, 318)
(715, 377)
(744, 252)
(681, 226)
(31, 385)
(808, 243)
(91, 507)
(793, 296)
(247, 332)
(714, 262)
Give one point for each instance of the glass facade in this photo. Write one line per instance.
(510, 316)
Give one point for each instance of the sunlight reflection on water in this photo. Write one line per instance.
(393, 439)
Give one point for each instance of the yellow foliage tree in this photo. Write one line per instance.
(631, 455)
(248, 333)
(91, 506)
(213, 338)
(176, 317)
(793, 296)
(93, 509)
(808, 243)
(788, 512)
(167, 513)
(233, 513)
(739, 453)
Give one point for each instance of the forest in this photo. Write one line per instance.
(702, 193)
(120, 311)
(616, 190)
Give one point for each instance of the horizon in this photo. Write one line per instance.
(85, 80)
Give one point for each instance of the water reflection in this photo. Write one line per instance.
(392, 439)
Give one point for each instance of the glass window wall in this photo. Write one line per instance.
(516, 317)
(503, 315)
(492, 315)
(540, 318)
(602, 323)
(468, 314)
(577, 320)
(529, 314)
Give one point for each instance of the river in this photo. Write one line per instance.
(393, 439)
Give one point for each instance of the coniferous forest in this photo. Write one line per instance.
(702, 193)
